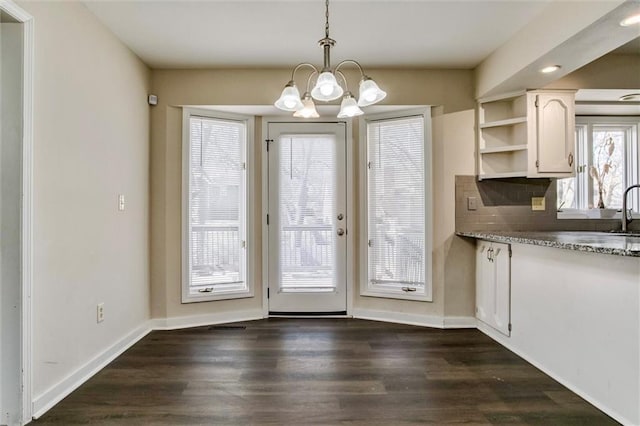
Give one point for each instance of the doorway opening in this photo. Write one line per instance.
(16, 53)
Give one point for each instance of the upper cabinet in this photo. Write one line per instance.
(526, 134)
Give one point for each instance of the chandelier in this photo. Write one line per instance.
(326, 86)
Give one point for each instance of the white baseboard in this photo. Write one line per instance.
(460, 322)
(433, 321)
(42, 403)
(504, 341)
(399, 318)
(206, 319)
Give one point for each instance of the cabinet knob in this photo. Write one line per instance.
(570, 159)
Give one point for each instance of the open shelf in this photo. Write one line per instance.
(507, 137)
(503, 164)
(508, 148)
(505, 122)
(500, 111)
(520, 173)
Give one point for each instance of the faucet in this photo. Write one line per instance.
(625, 219)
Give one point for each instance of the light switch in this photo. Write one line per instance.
(472, 203)
(537, 204)
(121, 202)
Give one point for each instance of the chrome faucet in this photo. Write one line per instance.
(626, 220)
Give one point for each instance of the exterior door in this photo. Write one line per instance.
(307, 218)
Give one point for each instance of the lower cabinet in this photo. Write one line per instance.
(493, 285)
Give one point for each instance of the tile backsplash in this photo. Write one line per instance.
(505, 205)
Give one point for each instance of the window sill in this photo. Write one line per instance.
(212, 297)
(399, 294)
(582, 214)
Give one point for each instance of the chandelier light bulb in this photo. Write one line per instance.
(290, 103)
(349, 107)
(309, 109)
(370, 93)
(289, 99)
(327, 87)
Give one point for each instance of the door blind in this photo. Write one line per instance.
(217, 205)
(396, 204)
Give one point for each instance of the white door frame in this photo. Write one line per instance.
(20, 15)
(351, 260)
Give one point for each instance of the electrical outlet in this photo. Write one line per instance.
(537, 204)
(121, 202)
(100, 312)
(472, 203)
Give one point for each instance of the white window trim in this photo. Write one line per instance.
(365, 287)
(187, 297)
(632, 166)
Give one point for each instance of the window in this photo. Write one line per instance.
(396, 216)
(215, 243)
(608, 162)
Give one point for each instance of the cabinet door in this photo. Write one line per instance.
(501, 291)
(484, 274)
(493, 285)
(555, 132)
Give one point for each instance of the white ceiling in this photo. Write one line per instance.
(269, 33)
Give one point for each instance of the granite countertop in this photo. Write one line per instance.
(594, 242)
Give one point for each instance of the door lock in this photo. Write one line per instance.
(340, 216)
(340, 231)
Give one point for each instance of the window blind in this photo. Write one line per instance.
(217, 216)
(396, 204)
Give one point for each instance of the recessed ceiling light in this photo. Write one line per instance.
(631, 20)
(630, 97)
(550, 69)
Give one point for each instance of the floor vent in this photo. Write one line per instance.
(228, 327)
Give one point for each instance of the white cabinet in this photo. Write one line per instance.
(493, 285)
(527, 134)
(554, 134)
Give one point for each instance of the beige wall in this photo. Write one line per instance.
(453, 149)
(91, 143)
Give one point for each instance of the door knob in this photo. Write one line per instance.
(340, 231)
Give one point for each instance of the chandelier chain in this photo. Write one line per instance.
(326, 26)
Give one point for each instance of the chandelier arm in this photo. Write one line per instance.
(346, 85)
(351, 61)
(315, 72)
(297, 67)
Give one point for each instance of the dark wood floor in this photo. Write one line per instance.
(324, 372)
